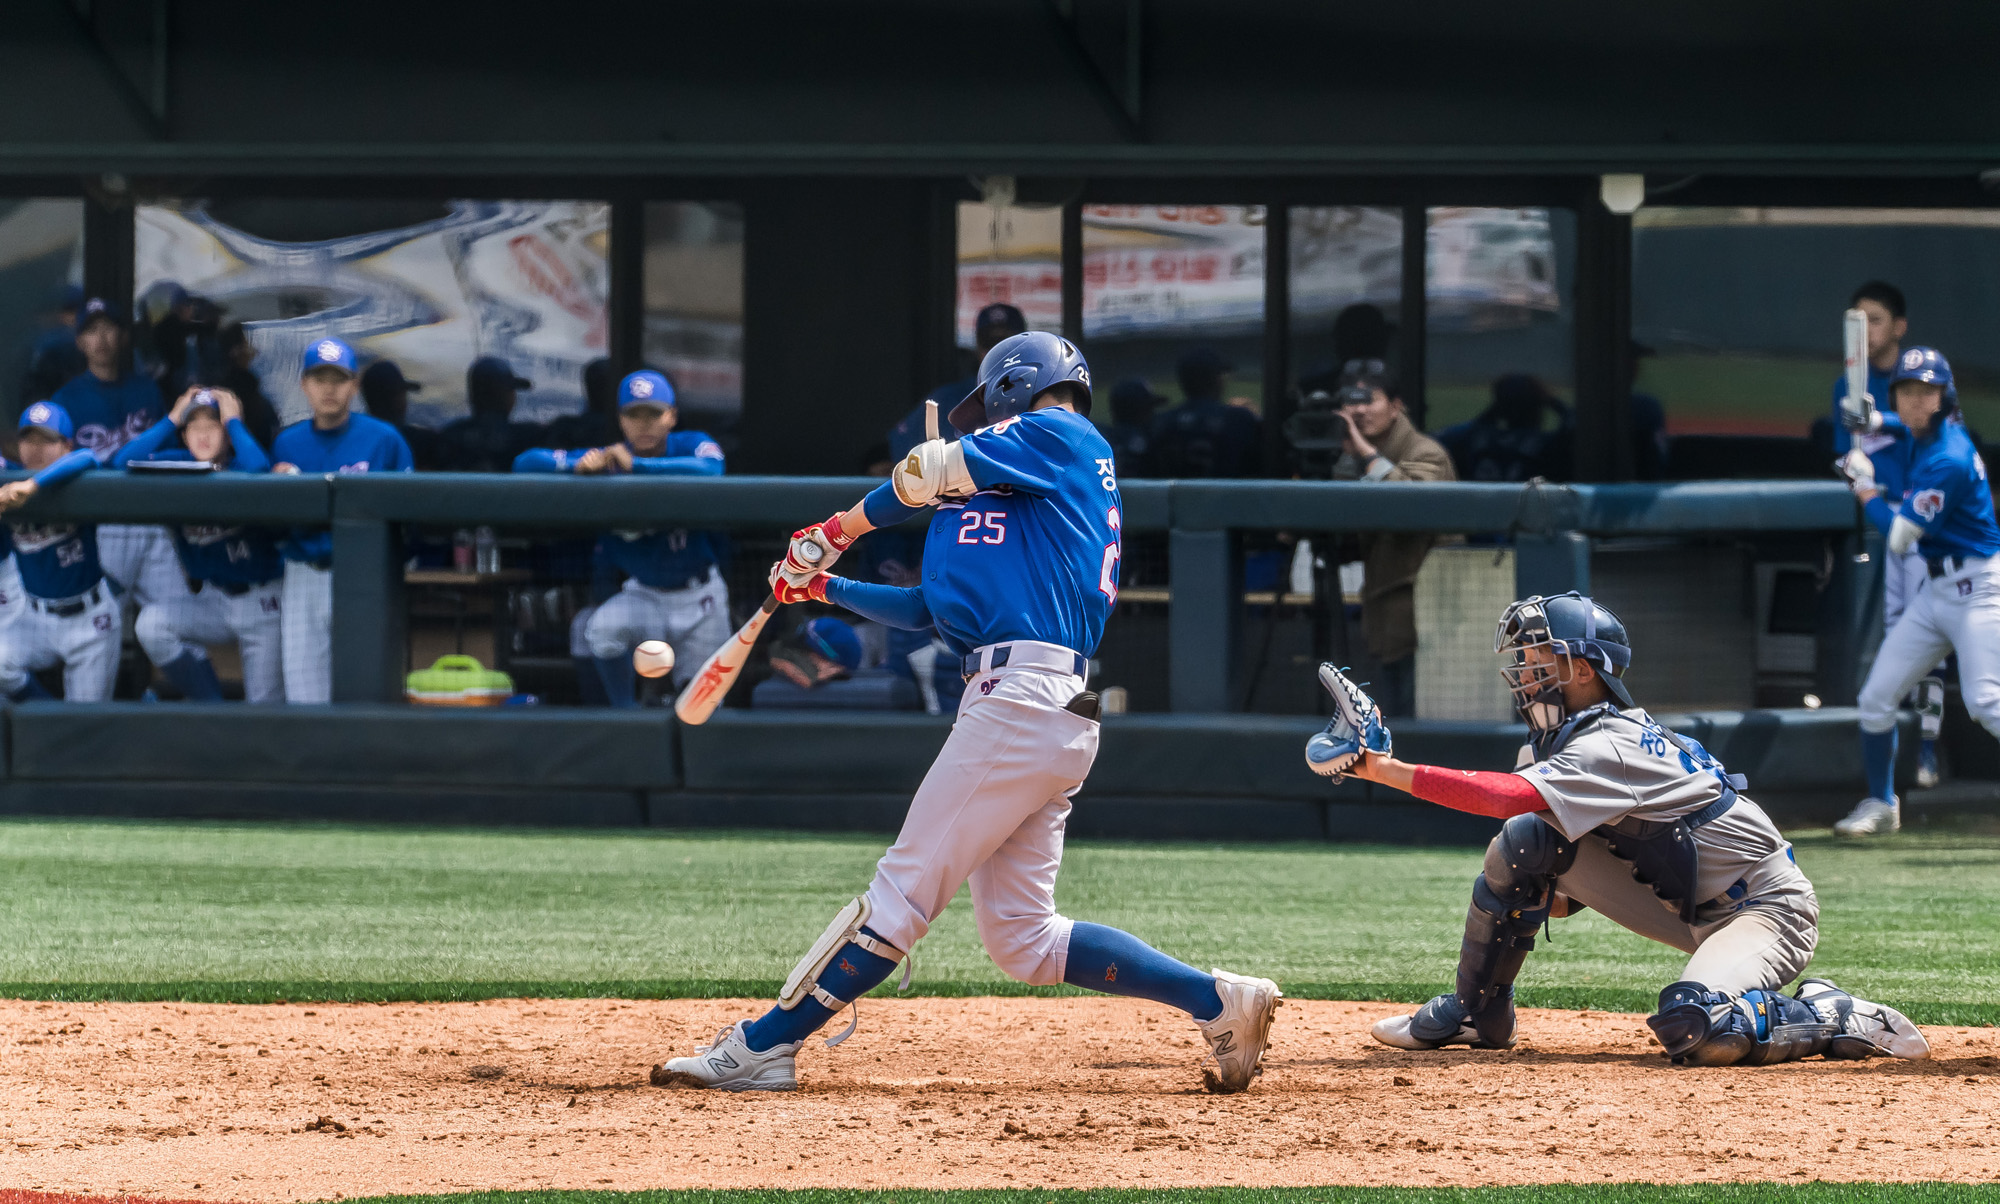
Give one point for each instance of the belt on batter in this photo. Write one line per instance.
(1023, 654)
(1951, 566)
(63, 608)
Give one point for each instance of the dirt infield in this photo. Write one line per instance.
(302, 1102)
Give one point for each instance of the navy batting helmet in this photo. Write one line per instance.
(1568, 625)
(1926, 365)
(1018, 370)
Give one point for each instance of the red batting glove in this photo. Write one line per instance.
(814, 590)
(814, 550)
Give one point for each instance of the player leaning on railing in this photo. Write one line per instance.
(1608, 809)
(1020, 574)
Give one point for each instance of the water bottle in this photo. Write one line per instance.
(461, 550)
(488, 548)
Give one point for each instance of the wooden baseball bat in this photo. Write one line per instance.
(720, 671)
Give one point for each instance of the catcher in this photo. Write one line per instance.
(1608, 809)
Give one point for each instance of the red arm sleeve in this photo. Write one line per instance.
(1500, 795)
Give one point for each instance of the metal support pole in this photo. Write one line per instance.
(1072, 271)
(108, 248)
(1277, 333)
(1551, 564)
(369, 620)
(1204, 618)
(628, 283)
(1413, 312)
(1850, 616)
(1603, 334)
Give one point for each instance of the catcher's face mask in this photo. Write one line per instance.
(1538, 665)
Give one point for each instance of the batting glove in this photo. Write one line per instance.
(814, 590)
(814, 550)
(1860, 415)
(1356, 728)
(1859, 471)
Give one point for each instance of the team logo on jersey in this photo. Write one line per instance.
(1927, 503)
(328, 351)
(1912, 359)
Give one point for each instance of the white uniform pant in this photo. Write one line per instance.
(13, 597)
(85, 644)
(1760, 948)
(253, 621)
(142, 561)
(307, 633)
(1902, 576)
(694, 620)
(1959, 613)
(992, 810)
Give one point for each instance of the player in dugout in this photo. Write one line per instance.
(1609, 809)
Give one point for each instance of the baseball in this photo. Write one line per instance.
(654, 658)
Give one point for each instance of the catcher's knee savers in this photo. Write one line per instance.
(1510, 900)
(803, 983)
(1700, 1027)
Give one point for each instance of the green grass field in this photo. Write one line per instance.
(250, 912)
(1608, 1193)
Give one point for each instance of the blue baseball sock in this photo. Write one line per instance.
(852, 973)
(193, 676)
(1878, 757)
(1118, 963)
(619, 678)
(30, 691)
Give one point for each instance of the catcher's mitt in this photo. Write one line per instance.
(1356, 727)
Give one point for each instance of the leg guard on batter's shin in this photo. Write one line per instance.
(1700, 1027)
(1510, 900)
(846, 929)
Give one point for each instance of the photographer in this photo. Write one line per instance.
(1380, 444)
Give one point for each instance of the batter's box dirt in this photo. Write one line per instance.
(290, 1102)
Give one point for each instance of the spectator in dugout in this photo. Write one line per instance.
(994, 323)
(673, 588)
(597, 425)
(488, 439)
(1133, 404)
(69, 615)
(1205, 435)
(259, 416)
(385, 393)
(1524, 432)
(53, 359)
(1383, 445)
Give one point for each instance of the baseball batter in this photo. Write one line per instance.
(1020, 574)
(673, 590)
(71, 615)
(1613, 811)
(235, 573)
(1946, 516)
(334, 440)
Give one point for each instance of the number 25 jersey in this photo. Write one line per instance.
(1033, 555)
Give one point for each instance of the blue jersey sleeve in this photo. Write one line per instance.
(882, 508)
(147, 445)
(889, 605)
(67, 469)
(1937, 486)
(545, 459)
(1028, 455)
(397, 457)
(677, 466)
(245, 453)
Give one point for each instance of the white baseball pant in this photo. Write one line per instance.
(307, 633)
(142, 561)
(1902, 576)
(992, 810)
(1957, 613)
(253, 621)
(85, 644)
(13, 596)
(694, 620)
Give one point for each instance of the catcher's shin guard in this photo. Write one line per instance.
(1700, 1027)
(1510, 900)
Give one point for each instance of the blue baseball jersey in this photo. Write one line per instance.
(1033, 555)
(1878, 388)
(58, 560)
(109, 415)
(673, 558)
(224, 555)
(361, 444)
(1948, 496)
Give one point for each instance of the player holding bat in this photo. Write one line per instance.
(1020, 574)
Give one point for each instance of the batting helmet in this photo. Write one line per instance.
(1926, 365)
(1569, 625)
(1018, 370)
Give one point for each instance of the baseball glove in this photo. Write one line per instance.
(1356, 727)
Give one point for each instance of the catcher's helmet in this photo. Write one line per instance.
(1018, 370)
(1568, 625)
(1928, 366)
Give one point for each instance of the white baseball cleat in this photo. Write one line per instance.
(728, 1064)
(1439, 1023)
(1871, 817)
(1238, 1034)
(1928, 776)
(1866, 1028)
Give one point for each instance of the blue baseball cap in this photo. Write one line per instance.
(645, 388)
(97, 309)
(50, 417)
(835, 641)
(329, 353)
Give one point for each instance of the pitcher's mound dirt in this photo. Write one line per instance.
(305, 1102)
